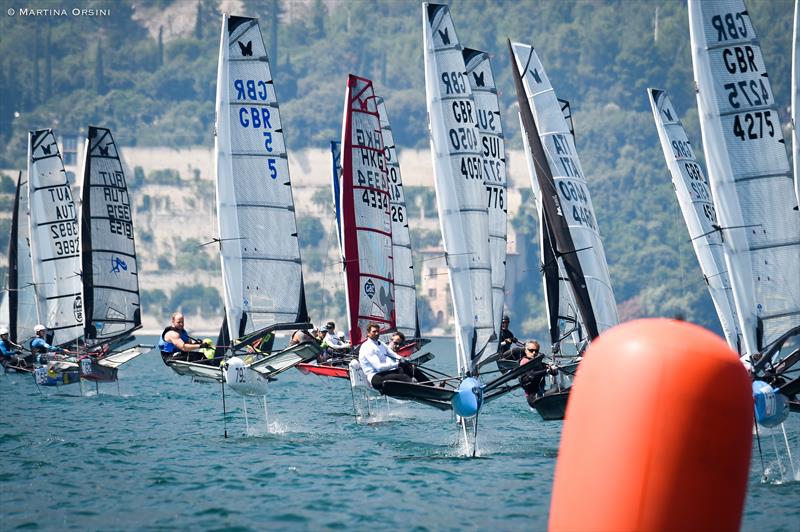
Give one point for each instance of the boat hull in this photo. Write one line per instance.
(551, 407)
(322, 370)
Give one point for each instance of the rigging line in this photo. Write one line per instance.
(215, 240)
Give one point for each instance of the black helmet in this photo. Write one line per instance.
(506, 319)
(330, 325)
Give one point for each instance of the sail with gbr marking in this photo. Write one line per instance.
(697, 206)
(259, 249)
(460, 192)
(493, 168)
(366, 220)
(564, 192)
(55, 240)
(110, 271)
(405, 290)
(748, 171)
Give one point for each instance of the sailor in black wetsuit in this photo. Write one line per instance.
(532, 381)
(176, 344)
(507, 338)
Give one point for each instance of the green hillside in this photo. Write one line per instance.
(66, 72)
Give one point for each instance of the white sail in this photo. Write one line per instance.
(260, 253)
(748, 171)
(694, 197)
(19, 303)
(460, 192)
(55, 240)
(569, 182)
(796, 102)
(562, 312)
(405, 290)
(108, 250)
(492, 146)
(366, 218)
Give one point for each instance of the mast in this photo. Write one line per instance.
(694, 197)
(748, 171)
(365, 214)
(259, 248)
(405, 289)
(564, 193)
(55, 240)
(460, 192)
(796, 102)
(108, 251)
(492, 146)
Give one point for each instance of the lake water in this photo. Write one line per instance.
(154, 457)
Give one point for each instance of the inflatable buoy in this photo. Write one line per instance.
(657, 435)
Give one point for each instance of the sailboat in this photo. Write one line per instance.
(110, 275)
(461, 195)
(753, 191)
(259, 250)
(347, 182)
(19, 303)
(567, 217)
(55, 256)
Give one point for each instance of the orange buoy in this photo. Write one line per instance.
(657, 434)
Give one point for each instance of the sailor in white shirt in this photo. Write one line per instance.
(379, 363)
(332, 341)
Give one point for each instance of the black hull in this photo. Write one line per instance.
(551, 406)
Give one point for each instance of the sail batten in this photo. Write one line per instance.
(748, 172)
(259, 248)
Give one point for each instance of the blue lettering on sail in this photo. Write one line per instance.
(255, 117)
(250, 89)
(369, 288)
(117, 265)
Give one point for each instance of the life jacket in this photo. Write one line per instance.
(40, 346)
(168, 348)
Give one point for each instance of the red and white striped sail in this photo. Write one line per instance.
(366, 214)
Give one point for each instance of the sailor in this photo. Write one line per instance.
(507, 338)
(9, 351)
(303, 336)
(333, 345)
(397, 341)
(380, 364)
(533, 381)
(176, 344)
(39, 345)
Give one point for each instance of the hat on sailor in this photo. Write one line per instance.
(39, 327)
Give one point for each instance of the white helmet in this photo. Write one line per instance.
(39, 327)
(3, 330)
